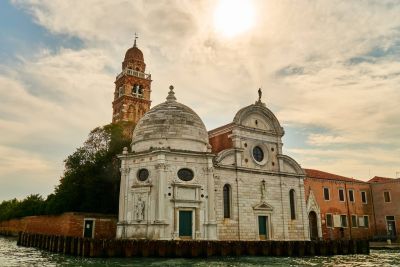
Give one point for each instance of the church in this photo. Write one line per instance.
(180, 181)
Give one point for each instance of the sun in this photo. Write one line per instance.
(232, 17)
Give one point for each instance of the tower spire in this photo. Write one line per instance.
(136, 37)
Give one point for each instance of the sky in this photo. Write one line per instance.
(329, 70)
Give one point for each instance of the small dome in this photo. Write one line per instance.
(134, 53)
(170, 125)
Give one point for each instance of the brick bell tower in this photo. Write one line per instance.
(132, 90)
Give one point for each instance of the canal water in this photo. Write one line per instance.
(12, 255)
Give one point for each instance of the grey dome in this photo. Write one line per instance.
(170, 125)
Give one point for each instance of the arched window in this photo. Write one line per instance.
(227, 201)
(120, 91)
(292, 196)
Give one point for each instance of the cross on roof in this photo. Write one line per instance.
(136, 37)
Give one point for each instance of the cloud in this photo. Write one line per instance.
(47, 108)
(330, 65)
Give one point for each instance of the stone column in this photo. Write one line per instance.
(211, 220)
(197, 223)
(123, 191)
(176, 211)
(160, 189)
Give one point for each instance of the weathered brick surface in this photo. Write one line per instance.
(382, 208)
(221, 142)
(67, 224)
(336, 207)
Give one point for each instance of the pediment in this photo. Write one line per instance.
(264, 206)
(312, 203)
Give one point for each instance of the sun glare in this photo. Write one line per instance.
(233, 17)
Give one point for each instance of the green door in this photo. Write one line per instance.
(262, 227)
(88, 229)
(185, 224)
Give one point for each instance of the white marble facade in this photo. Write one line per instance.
(172, 184)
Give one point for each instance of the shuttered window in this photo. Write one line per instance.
(329, 220)
(364, 197)
(341, 194)
(326, 193)
(386, 195)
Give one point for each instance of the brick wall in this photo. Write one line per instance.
(383, 208)
(221, 142)
(67, 224)
(336, 207)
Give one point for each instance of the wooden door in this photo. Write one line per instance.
(88, 232)
(263, 227)
(391, 226)
(312, 218)
(185, 224)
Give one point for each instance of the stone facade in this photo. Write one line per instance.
(175, 185)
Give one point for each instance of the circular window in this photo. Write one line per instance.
(142, 175)
(185, 174)
(258, 154)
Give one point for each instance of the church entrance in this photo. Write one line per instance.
(312, 218)
(263, 227)
(185, 224)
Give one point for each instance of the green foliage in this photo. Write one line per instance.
(90, 182)
(91, 178)
(31, 205)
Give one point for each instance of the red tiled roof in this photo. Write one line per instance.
(378, 179)
(226, 126)
(329, 176)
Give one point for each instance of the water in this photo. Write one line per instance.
(12, 255)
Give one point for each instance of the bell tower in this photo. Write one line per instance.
(132, 89)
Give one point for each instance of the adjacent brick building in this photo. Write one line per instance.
(345, 205)
(386, 199)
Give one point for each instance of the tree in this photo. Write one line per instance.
(90, 182)
(91, 178)
(31, 205)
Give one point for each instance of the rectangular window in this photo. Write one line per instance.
(389, 218)
(366, 221)
(386, 195)
(292, 195)
(341, 194)
(326, 193)
(351, 195)
(343, 220)
(353, 220)
(364, 197)
(329, 220)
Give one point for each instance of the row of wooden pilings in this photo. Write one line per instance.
(85, 247)
(8, 233)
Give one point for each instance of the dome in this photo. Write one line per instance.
(134, 53)
(170, 125)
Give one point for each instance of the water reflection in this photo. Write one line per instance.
(12, 255)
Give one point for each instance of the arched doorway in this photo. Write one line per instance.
(312, 218)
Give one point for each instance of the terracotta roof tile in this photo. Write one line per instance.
(379, 179)
(221, 128)
(329, 176)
